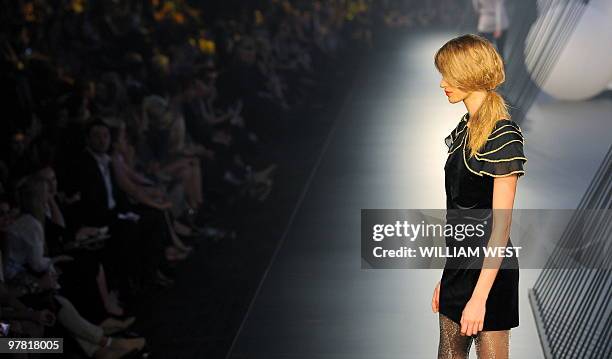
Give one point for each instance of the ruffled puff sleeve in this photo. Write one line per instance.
(502, 154)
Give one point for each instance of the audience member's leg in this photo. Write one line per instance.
(118, 260)
(91, 337)
(183, 168)
(109, 298)
(452, 344)
(493, 344)
(196, 180)
(79, 284)
(85, 333)
(148, 249)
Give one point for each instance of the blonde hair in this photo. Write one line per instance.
(471, 63)
(31, 199)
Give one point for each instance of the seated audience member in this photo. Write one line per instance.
(142, 191)
(133, 249)
(85, 275)
(33, 276)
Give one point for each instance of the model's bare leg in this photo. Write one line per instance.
(452, 345)
(493, 344)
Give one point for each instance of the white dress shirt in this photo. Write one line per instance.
(104, 167)
(25, 247)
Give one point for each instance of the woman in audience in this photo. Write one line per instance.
(28, 268)
(142, 190)
(161, 151)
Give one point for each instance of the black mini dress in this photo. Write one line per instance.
(469, 185)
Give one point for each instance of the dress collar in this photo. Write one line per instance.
(453, 141)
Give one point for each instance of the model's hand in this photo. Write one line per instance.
(497, 34)
(472, 318)
(435, 301)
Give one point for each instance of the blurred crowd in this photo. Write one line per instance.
(132, 130)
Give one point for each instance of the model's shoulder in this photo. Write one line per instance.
(505, 142)
(503, 153)
(504, 126)
(506, 122)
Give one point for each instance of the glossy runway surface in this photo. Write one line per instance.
(386, 150)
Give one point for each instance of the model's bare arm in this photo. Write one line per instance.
(504, 189)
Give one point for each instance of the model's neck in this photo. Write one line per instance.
(473, 101)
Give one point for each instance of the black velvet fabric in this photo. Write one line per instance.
(469, 186)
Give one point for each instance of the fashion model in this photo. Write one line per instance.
(485, 160)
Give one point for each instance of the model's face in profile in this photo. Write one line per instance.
(454, 94)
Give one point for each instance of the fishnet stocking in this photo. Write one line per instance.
(489, 344)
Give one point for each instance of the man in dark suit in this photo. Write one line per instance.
(101, 200)
(134, 249)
